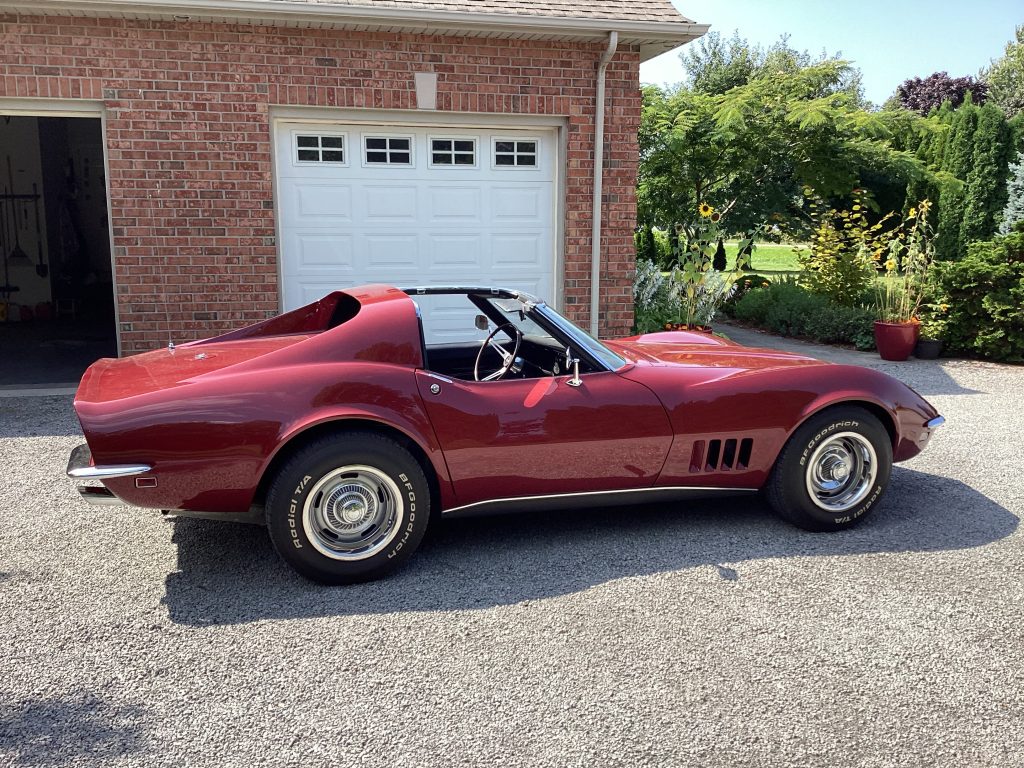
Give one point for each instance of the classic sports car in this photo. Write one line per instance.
(344, 432)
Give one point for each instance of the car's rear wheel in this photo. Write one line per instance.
(832, 471)
(349, 508)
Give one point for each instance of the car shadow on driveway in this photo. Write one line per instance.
(229, 573)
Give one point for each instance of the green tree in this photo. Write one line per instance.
(715, 64)
(1005, 77)
(750, 151)
(986, 180)
(646, 247)
(977, 152)
(956, 160)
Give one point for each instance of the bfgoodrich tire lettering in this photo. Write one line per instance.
(349, 508)
(832, 471)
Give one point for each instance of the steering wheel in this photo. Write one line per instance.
(508, 359)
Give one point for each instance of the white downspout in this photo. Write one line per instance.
(595, 248)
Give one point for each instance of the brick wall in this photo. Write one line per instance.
(189, 144)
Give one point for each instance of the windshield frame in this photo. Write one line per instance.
(580, 340)
(549, 319)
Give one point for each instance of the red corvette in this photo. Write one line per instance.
(343, 431)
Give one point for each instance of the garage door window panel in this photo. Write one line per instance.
(320, 148)
(452, 152)
(387, 150)
(516, 153)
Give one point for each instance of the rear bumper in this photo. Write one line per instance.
(81, 467)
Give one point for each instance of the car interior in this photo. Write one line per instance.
(516, 347)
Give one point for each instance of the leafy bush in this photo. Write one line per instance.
(787, 308)
(650, 296)
(836, 324)
(844, 246)
(791, 315)
(744, 285)
(984, 296)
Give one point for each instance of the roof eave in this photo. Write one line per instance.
(653, 38)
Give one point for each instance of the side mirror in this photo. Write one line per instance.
(481, 322)
(574, 364)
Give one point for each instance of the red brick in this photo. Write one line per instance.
(189, 147)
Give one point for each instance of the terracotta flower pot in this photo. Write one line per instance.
(688, 327)
(895, 341)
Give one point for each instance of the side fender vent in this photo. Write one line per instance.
(721, 455)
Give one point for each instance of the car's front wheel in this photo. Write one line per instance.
(832, 471)
(348, 508)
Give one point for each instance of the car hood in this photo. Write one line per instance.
(114, 379)
(694, 350)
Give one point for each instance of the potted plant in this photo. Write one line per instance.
(932, 332)
(901, 287)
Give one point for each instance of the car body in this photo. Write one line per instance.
(206, 428)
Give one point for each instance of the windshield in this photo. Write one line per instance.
(581, 338)
(540, 322)
(517, 313)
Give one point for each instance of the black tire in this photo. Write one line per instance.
(799, 488)
(348, 508)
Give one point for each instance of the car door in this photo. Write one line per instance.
(527, 437)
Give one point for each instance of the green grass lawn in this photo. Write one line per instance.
(767, 257)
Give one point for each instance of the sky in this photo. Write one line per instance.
(889, 41)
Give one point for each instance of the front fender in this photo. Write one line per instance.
(765, 406)
(906, 410)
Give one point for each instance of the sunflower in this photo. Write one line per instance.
(705, 210)
(716, 216)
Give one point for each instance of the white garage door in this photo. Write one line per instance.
(415, 206)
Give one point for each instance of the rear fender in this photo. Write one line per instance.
(420, 435)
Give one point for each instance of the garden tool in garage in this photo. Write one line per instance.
(41, 268)
(6, 289)
(17, 253)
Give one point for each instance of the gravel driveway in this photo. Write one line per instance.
(710, 636)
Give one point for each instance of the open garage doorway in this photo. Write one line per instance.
(56, 284)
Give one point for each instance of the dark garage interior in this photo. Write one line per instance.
(56, 285)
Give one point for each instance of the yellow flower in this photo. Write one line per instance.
(944, 307)
(706, 210)
(912, 213)
(890, 265)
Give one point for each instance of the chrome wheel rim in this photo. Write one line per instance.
(352, 513)
(841, 472)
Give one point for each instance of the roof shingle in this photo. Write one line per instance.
(652, 11)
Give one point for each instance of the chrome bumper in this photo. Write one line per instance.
(80, 467)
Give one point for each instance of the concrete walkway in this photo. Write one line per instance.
(750, 337)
